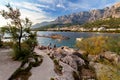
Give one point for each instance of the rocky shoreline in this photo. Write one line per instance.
(65, 64)
(93, 67)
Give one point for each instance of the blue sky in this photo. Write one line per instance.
(48, 10)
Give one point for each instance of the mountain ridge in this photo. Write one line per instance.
(92, 15)
(88, 16)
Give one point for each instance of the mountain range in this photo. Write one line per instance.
(85, 16)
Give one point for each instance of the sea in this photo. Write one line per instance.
(72, 35)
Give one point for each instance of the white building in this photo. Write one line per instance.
(101, 29)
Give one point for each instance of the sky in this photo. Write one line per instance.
(48, 10)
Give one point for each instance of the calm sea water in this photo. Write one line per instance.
(72, 35)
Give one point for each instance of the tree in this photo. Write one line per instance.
(19, 29)
(0, 42)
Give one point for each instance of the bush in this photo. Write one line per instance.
(58, 68)
(20, 55)
(93, 45)
(99, 44)
(75, 76)
(9, 44)
(114, 45)
(56, 62)
(52, 79)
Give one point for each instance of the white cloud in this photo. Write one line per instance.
(3, 22)
(60, 6)
(27, 5)
(47, 1)
(29, 10)
(75, 6)
(33, 12)
(35, 17)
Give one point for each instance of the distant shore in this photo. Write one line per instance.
(79, 31)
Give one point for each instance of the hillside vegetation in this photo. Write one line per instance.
(107, 23)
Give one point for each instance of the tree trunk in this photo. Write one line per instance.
(20, 37)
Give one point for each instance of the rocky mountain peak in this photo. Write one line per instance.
(116, 5)
(89, 16)
(92, 15)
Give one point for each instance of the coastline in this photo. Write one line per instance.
(66, 57)
(79, 31)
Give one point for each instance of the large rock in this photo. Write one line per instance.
(111, 56)
(68, 56)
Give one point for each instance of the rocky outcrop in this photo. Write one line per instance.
(78, 64)
(74, 18)
(92, 15)
(106, 65)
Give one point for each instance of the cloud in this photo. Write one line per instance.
(34, 12)
(30, 10)
(78, 5)
(35, 17)
(47, 1)
(3, 22)
(60, 6)
(29, 6)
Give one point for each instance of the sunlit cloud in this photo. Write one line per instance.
(29, 10)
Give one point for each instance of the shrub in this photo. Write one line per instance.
(56, 62)
(93, 45)
(52, 79)
(96, 45)
(25, 51)
(114, 45)
(75, 76)
(9, 44)
(58, 68)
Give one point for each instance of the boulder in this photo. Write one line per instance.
(111, 56)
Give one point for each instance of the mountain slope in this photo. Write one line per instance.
(42, 24)
(86, 16)
(82, 17)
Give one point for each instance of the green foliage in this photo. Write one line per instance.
(93, 45)
(52, 79)
(18, 29)
(107, 23)
(58, 68)
(9, 44)
(111, 69)
(96, 45)
(114, 45)
(56, 62)
(20, 55)
(75, 76)
(54, 26)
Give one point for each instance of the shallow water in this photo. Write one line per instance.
(71, 35)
